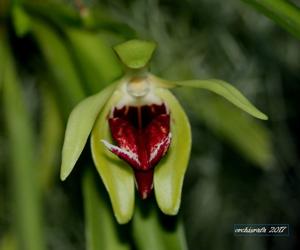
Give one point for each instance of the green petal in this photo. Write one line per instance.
(135, 54)
(116, 175)
(221, 88)
(79, 126)
(169, 174)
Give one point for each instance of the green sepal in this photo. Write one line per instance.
(116, 175)
(135, 54)
(219, 87)
(79, 126)
(169, 174)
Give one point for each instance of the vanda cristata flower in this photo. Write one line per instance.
(140, 135)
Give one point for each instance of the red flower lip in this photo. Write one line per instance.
(143, 136)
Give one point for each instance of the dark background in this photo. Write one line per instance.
(242, 170)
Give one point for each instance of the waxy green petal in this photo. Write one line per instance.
(116, 175)
(135, 54)
(221, 88)
(79, 126)
(169, 174)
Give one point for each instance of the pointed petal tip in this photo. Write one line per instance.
(226, 90)
(122, 220)
(63, 175)
(123, 216)
(63, 178)
(172, 210)
(264, 117)
(259, 115)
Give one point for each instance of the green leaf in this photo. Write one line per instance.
(23, 169)
(135, 54)
(60, 63)
(152, 231)
(79, 126)
(100, 227)
(55, 12)
(3, 56)
(221, 88)
(96, 60)
(50, 139)
(169, 174)
(116, 175)
(21, 21)
(282, 12)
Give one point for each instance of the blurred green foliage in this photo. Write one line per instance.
(53, 53)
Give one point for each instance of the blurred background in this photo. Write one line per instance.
(54, 53)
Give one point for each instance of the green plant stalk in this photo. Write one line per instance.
(150, 233)
(100, 225)
(23, 166)
(50, 138)
(282, 12)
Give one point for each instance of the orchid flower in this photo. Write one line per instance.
(140, 134)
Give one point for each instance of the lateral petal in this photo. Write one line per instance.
(218, 87)
(79, 126)
(116, 175)
(169, 173)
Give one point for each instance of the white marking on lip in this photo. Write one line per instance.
(154, 153)
(115, 149)
(144, 195)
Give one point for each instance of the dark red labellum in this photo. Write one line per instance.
(143, 138)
